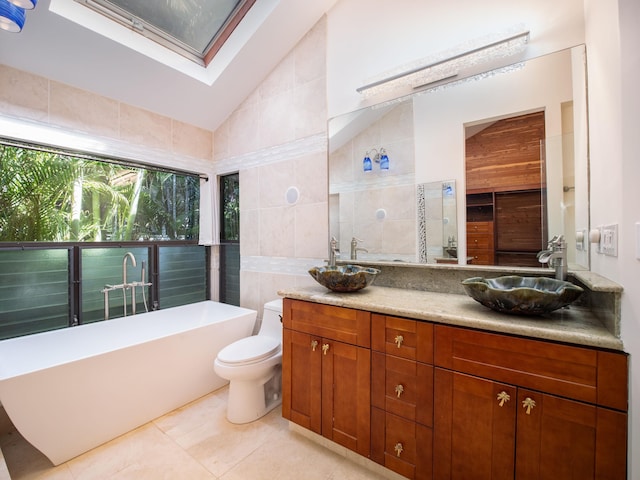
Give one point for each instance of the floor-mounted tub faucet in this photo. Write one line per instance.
(125, 285)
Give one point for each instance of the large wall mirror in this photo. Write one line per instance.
(481, 171)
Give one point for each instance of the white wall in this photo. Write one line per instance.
(276, 140)
(614, 104)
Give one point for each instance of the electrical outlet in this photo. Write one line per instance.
(609, 240)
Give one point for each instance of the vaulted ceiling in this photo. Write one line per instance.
(60, 41)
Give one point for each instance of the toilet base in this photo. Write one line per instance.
(250, 400)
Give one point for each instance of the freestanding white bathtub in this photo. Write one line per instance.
(68, 391)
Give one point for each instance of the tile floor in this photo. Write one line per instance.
(192, 443)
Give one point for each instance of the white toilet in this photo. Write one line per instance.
(253, 366)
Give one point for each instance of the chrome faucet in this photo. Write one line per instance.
(125, 285)
(355, 249)
(124, 266)
(556, 256)
(333, 251)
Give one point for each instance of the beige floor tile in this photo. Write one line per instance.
(143, 453)
(194, 415)
(24, 462)
(220, 445)
(195, 442)
(289, 456)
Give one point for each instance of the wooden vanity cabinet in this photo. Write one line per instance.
(402, 395)
(326, 368)
(508, 407)
(436, 401)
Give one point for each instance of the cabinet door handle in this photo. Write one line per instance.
(503, 397)
(314, 344)
(399, 390)
(325, 348)
(528, 403)
(399, 339)
(398, 448)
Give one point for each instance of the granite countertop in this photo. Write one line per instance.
(575, 325)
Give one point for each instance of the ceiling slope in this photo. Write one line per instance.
(62, 50)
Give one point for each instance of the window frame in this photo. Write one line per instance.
(159, 36)
(75, 248)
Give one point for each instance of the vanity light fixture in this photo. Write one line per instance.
(448, 65)
(26, 4)
(12, 14)
(379, 156)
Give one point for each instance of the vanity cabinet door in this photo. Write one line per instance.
(489, 430)
(326, 379)
(346, 395)
(561, 438)
(474, 427)
(302, 379)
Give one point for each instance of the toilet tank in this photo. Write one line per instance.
(272, 319)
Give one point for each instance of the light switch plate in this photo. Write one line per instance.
(637, 240)
(609, 240)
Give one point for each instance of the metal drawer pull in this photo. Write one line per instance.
(528, 403)
(503, 397)
(398, 448)
(399, 390)
(325, 348)
(314, 344)
(399, 339)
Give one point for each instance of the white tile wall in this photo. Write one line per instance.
(277, 139)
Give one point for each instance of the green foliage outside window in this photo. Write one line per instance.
(230, 203)
(48, 196)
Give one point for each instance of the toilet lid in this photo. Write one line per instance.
(249, 349)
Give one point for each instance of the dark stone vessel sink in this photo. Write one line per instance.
(344, 278)
(522, 295)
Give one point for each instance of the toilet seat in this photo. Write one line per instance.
(249, 350)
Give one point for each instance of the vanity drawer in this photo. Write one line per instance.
(481, 257)
(479, 227)
(403, 387)
(402, 337)
(327, 321)
(401, 445)
(480, 241)
(579, 373)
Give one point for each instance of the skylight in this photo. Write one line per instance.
(195, 29)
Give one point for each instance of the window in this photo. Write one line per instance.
(56, 197)
(193, 28)
(230, 239)
(66, 222)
